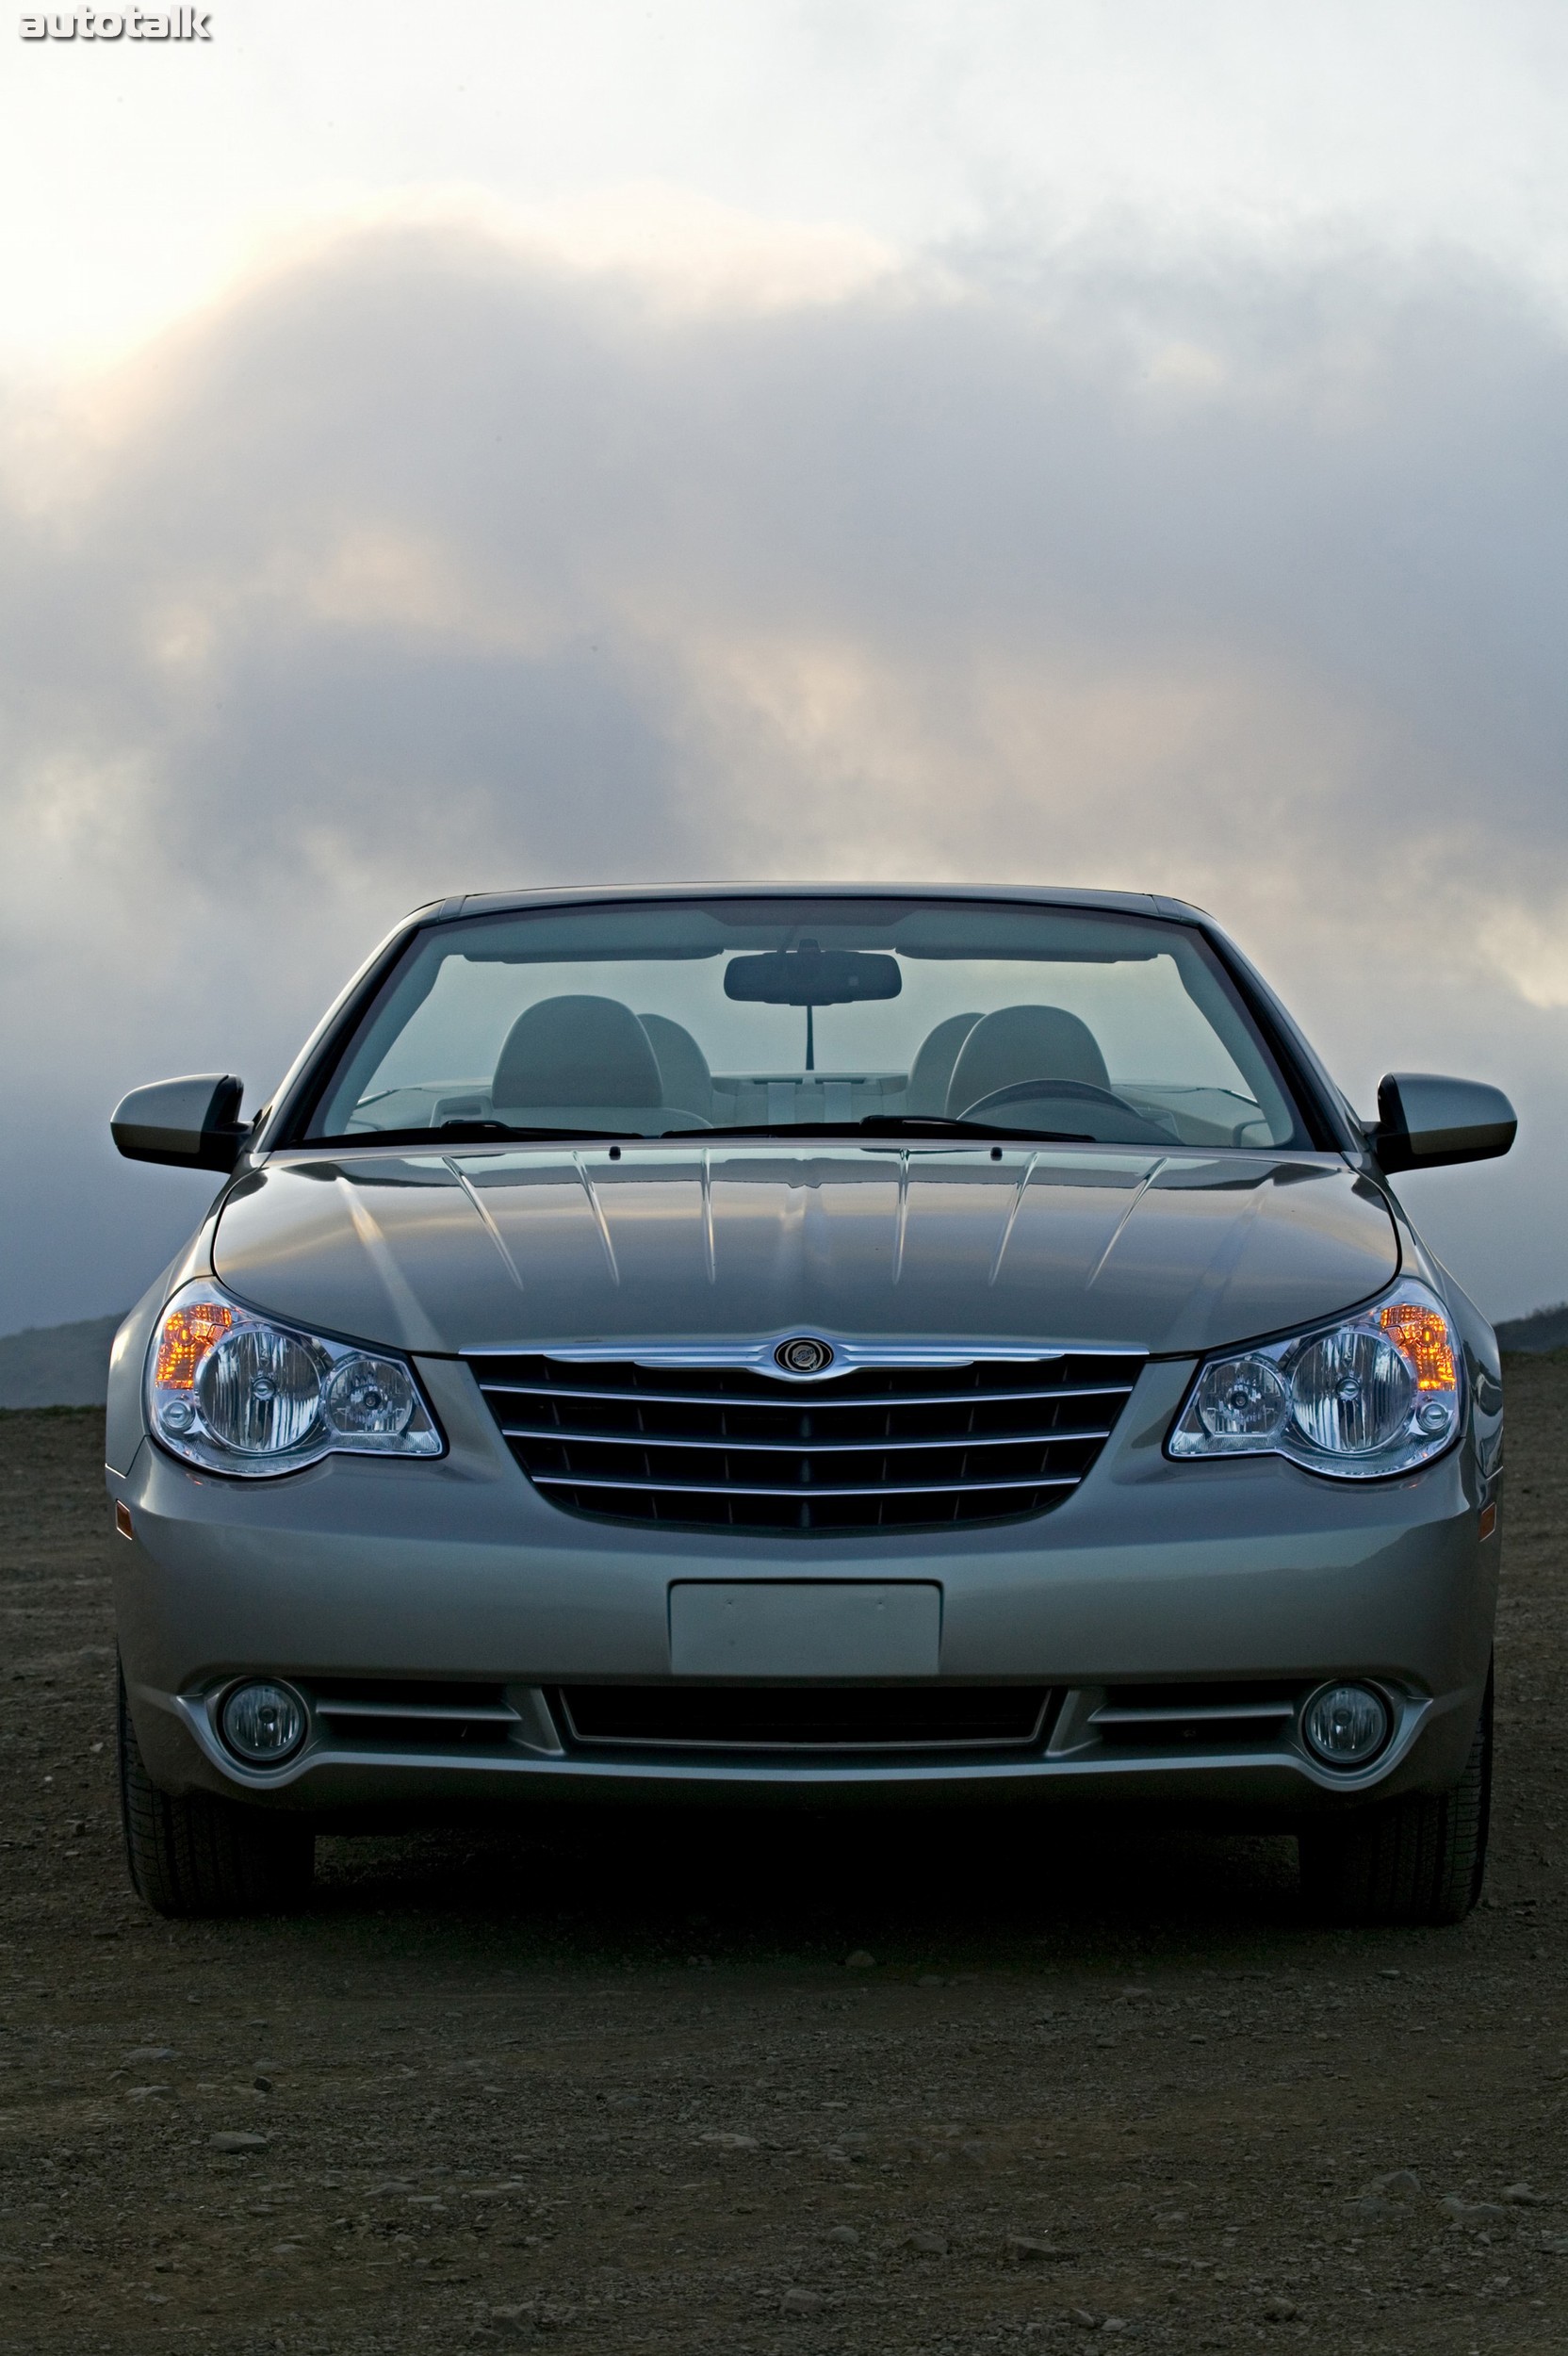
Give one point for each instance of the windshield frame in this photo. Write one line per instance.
(1320, 1111)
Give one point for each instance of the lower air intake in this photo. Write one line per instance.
(1194, 1717)
(414, 1714)
(854, 1718)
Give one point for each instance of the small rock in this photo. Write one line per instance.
(930, 1979)
(1400, 2184)
(1391, 1971)
(926, 2245)
(261, 2086)
(145, 2053)
(796, 2301)
(1027, 2249)
(725, 2142)
(226, 2142)
(846, 2233)
(1114, 2323)
(144, 2094)
(1522, 2196)
(1556, 2243)
(1280, 2310)
(1461, 2210)
(1084, 2315)
(859, 1960)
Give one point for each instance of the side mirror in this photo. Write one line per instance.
(1425, 1120)
(192, 1125)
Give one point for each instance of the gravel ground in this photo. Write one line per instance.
(641, 2085)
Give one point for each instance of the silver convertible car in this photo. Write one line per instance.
(820, 1345)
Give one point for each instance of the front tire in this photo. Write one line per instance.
(1421, 1859)
(194, 1855)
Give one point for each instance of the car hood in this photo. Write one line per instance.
(495, 1249)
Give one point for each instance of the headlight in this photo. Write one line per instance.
(238, 1393)
(1376, 1393)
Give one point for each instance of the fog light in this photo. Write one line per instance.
(264, 1725)
(1345, 1726)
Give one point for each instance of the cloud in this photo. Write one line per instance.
(438, 555)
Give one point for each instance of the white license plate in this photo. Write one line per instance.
(805, 1627)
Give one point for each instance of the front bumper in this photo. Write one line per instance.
(1239, 1576)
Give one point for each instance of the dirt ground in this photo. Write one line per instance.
(636, 2086)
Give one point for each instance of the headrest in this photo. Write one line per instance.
(575, 1050)
(683, 1066)
(1019, 1043)
(932, 1066)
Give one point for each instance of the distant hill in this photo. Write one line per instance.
(57, 1366)
(1544, 1328)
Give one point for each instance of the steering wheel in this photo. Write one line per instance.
(1154, 1130)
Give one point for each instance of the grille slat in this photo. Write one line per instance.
(813, 1448)
(815, 1492)
(885, 1446)
(729, 1399)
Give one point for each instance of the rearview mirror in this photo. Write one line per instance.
(192, 1125)
(1425, 1120)
(809, 976)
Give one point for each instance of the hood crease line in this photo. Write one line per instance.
(1139, 1193)
(600, 1220)
(900, 1219)
(488, 1223)
(399, 1290)
(1006, 1235)
(710, 1242)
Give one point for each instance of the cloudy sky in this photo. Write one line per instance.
(1098, 441)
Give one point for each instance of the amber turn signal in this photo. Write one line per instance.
(188, 1335)
(1422, 1333)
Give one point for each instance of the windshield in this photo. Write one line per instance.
(765, 1014)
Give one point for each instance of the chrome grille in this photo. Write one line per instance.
(878, 1446)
